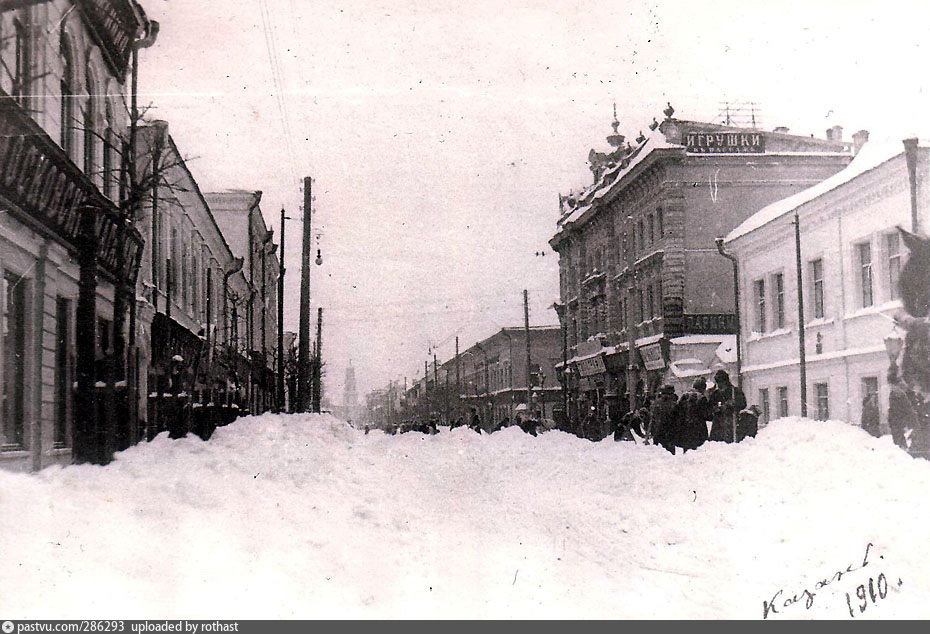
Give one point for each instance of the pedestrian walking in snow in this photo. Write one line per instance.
(695, 412)
(726, 401)
(664, 423)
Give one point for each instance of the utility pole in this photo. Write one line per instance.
(281, 270)
(526, 327)
(565, 364)
(458, 372)
(303, 352)
(801, 345)
(318, 366)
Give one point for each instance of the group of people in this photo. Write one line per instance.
(671, 421)
(680, 422)
(526, 424)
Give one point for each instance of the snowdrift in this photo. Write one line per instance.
(302, 516)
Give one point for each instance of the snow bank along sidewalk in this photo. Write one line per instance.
(303, 517)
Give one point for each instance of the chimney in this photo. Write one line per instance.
(781, 129)
(835, 133)
(860, 138)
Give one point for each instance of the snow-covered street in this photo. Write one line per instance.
(303, 517)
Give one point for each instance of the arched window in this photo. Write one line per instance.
(23, 61)
(109, 149)
(67, 94)
(90, 126)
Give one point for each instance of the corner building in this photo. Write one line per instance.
(645, 296)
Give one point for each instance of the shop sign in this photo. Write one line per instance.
(725, 143)
(652, 356)
(593, 365)
(711, 324)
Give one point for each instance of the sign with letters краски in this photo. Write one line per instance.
(725, 143)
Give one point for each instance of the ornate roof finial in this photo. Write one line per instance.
(654, 124)
(668, 112)
(615, 124)
(641, 137)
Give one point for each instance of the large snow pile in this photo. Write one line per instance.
(305, 517)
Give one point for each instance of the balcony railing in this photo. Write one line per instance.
(49, 190)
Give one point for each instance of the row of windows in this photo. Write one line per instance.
(89, 116)
(778, 408)
(821, 399)
(646, 231)
(641, 304)
(769, 293)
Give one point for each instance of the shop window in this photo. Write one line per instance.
(14, 362)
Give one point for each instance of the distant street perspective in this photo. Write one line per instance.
(464, 310)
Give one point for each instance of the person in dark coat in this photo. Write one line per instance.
(901, 412)
(871, 415)
(475, 421)
(630, 423)
(695, 412)
(747, 423)
(726, 401)
(664, 426)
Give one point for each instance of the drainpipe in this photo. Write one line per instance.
(910, 155)
(736, 298)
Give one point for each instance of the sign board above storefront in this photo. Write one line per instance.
(592, 365)
(711, 324)
(725, 142)
(652, 356)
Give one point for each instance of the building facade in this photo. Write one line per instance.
(68, 254)
(488, 378)
(645, 297)
(851, 256)
(192, 312)
(239, 216)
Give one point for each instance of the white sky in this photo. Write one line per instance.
(439, 133)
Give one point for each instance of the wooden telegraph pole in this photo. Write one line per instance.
(303, 350)
(280, 382)
(318, 364)
(529, 363)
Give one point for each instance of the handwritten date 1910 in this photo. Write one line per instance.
(877, 589)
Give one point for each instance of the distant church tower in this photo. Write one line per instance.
(350, 396)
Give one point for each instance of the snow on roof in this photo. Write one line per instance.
(726, 351)
(869, 157)
(655, 141)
